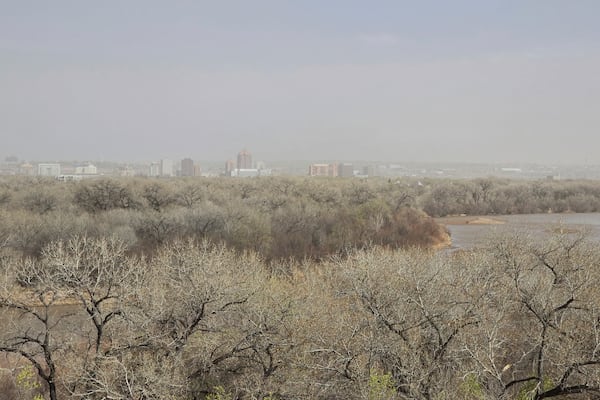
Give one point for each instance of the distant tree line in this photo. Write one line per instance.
(279, 218)
(484, 196)
(276, 217)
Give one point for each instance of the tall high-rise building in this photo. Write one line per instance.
(166, 167)
(187, 167)
(244, 160)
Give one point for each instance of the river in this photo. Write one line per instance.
(469, 231)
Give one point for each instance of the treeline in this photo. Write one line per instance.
(276, 217)
(279, 218)
(513, 320)
(485, 196)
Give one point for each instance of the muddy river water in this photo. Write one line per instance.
(468, 232)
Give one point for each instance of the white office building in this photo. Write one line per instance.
(166, 167)
(86, 170)
(52, 170)
(154, 169)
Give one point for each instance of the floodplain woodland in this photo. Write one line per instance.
(292, 288)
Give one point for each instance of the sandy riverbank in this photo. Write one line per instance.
(469, 220)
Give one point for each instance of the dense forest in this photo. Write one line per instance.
(288, 288)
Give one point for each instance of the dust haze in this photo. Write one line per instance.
(500, 82)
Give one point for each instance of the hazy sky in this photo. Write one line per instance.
(460, 80)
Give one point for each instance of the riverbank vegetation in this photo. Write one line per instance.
(494, 196)
(276, 217)
(279, 218)
(283, 289)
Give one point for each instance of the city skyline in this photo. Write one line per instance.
(174, 168)
(79, 161)
(468, 81)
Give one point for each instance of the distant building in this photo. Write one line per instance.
(166, 167)
(187, 167)
(346, 170)
(229, 167)
(197, 170)
(244, 160)
(154, 169)
(126, 171)
(369, 170)
(245, 172)
(323, 170)
(250, 172)
(69, 178)
(49, 170)
(86, 170)
(26, 169)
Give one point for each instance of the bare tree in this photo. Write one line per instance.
(73, 283)
(97, 274)
(539, 325)
(103, 195)
(415, 308)
(30, 322)
(197, 288)
(40, 202)
(190, 195)
(158, 196)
